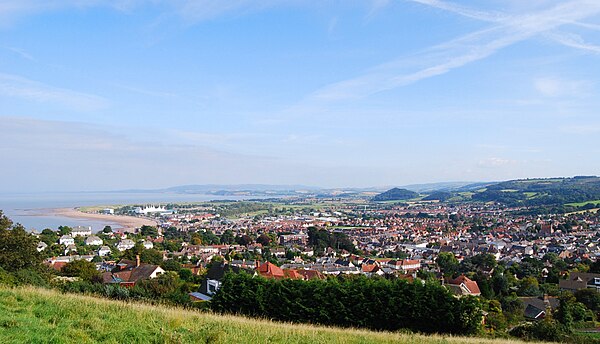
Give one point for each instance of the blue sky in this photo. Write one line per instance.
(102, 95)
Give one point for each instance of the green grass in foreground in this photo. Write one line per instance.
(31, 315)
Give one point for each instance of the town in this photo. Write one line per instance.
(477, 249)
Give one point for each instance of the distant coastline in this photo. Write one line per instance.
(127, 223)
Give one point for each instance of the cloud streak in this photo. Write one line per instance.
(18, 87)
(507, 30)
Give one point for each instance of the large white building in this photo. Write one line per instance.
(81, 231)
(149, 209)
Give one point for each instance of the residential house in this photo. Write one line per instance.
(215, 274)
(104, 251)
(81, 231)
(535, 308)
(70, 248)
(41, 246)
(405, 265)
(270, 270)
(278, 252)
(129, 273)
(148, 244)
(66, 240)
(580, 280)
(93, 240)
(462, 286)
(125, 244)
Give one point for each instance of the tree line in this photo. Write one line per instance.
(351, 301)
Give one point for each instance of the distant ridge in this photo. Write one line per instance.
(561, 193)
(442, 186)
(220, 188)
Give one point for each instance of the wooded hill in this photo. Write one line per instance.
(395, 194)
(522, 192)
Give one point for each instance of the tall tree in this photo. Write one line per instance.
(18, 248)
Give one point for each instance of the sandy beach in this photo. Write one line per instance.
(129, 223)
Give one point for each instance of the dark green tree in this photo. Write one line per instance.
(18, 248)
(148, 256)
(447, 263)
(83, 269)
(150, 231)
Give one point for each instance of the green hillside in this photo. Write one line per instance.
(31, 315)
(538, 192)
(395, 194)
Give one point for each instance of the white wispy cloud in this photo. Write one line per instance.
(21, 52)
(18, 87)
(495, 162)
(556, 87)
(506, 31)
(574, 41)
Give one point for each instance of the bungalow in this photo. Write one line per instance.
(93, 240)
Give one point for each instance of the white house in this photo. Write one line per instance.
(148, 244)
(70, 248)
(104, 251)
(125, 244)
(41, 246)
(93, 240)
(410, 265)
(81, 231)
(66, 240)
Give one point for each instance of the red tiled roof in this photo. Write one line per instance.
(369, 268)
(293, 274)
(470, 284)
(270, 270)
(58, 265)
(310, 274)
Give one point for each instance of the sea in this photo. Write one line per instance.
(33, 211)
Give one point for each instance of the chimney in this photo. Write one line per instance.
(137, 260)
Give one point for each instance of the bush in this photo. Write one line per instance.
(547, 330)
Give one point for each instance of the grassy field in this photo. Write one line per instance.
(597, 202)
(31, 315)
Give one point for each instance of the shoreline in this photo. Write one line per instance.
(127, 223)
